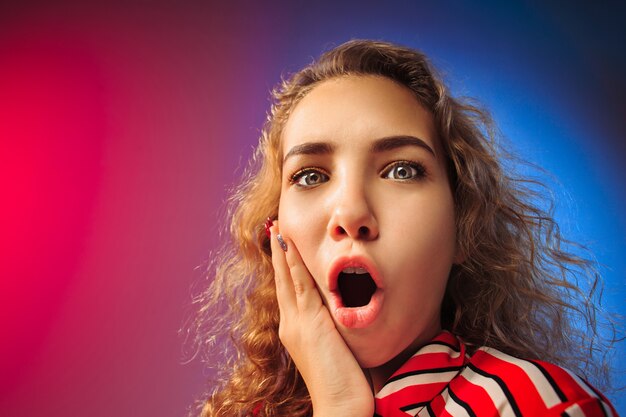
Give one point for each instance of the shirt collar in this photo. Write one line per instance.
(422, 377)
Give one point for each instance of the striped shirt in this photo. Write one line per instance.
(441, 379)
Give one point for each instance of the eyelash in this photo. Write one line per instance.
(420, 169)
(295, 177)
(420, 172)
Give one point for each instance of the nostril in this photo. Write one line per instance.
(363, 232)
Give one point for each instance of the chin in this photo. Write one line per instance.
(388, 349)
(370, 363)
(373, 356)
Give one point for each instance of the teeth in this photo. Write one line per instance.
(357, 270)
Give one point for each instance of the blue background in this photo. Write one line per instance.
(122, 124)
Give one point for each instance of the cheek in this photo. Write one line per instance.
(304, 227)
(303, 224)
(428, 234)
(293, 219)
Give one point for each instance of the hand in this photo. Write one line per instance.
(336, 382)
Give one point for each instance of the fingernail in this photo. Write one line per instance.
(268, 223)
(281, 242)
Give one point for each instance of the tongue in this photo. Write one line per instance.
(356, 289)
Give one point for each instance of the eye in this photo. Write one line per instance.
(404, 171)
(308, 177)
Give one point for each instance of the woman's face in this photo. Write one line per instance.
(365, 199)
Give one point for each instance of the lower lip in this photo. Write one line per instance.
(358, 317)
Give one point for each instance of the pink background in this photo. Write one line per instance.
(120, 128)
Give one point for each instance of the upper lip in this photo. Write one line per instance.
(352, 261)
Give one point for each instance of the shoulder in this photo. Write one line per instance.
(501, 384)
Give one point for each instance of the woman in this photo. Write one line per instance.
(403, 271)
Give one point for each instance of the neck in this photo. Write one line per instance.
(378, 376)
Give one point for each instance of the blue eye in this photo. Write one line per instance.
(308, 178)
(404, 171)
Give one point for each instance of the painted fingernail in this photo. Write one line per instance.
(281, 242)
(268, 223)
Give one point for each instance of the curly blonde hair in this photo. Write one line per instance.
(517, 290)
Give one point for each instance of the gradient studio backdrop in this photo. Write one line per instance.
(122, 124)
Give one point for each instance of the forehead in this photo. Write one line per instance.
(356, 109)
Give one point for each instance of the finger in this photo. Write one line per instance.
(284, 286)
(306, 294)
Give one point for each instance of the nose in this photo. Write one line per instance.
(352, 215)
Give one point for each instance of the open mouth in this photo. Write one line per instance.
(356, 287)
(356, 291)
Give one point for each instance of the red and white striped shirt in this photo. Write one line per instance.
(441, 379)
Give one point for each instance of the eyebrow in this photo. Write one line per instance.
(380, 145)
(394, 142)
(310, 148)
